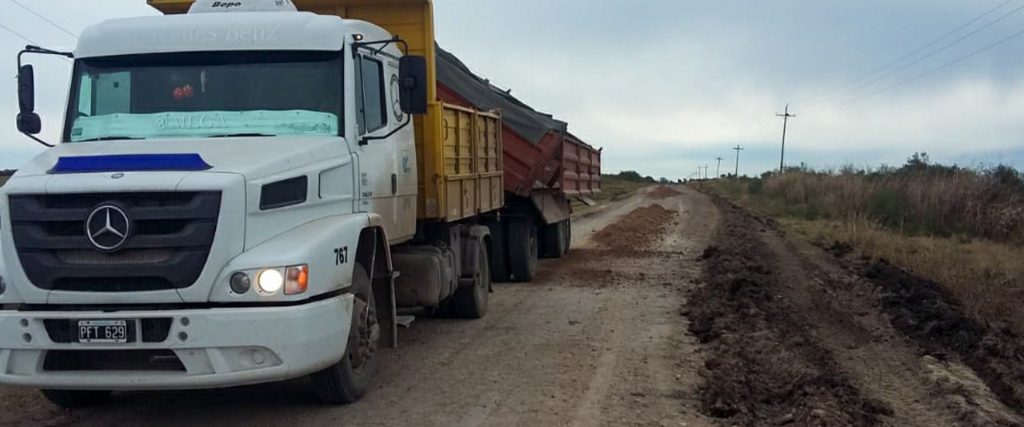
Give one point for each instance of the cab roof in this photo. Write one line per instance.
(217, 32)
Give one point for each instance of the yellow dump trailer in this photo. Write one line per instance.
(458, 150)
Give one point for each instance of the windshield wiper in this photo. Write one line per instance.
(239, 135)
(108, 138)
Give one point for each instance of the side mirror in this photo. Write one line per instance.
(29, 123)
(412, 75)
(26, 89)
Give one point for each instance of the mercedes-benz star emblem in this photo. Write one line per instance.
(108, 228)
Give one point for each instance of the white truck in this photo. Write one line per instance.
(243, 193)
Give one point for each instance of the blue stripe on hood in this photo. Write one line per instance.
(130, 163)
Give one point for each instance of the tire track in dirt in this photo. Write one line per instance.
(799, 337)
(764, 365)
(844, 311)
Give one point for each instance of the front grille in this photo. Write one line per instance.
(112, 360)
(167, 248)
(65, 331)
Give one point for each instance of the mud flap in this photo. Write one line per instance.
(388, 315)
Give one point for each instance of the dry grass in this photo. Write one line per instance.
(959, 227)
(923, 200)
(986, 276)
(613, 188)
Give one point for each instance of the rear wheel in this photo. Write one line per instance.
(522, 250)
(567, 236)
(348, 380)
(471, 302)
(556, 239)
(76, 398)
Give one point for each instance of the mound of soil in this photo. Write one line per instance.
(663, 192)
(636, 230)
(925, 311)
(764, 367)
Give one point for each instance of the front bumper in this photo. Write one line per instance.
(217, 347)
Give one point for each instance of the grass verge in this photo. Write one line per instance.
(987, 277)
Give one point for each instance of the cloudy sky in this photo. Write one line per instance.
(668, 86)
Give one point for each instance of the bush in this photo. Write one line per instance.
(889, 207)
(918, 198)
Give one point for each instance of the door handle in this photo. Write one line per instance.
(394, 184)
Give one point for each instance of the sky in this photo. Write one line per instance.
(666, 87)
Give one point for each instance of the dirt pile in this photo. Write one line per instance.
(663, 192)
(924, 311)
(636, 230)
(763, 367)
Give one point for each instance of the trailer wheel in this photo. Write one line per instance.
(471, 302)
(549, 238)
(348, 380)
(566, 240)
(522, 250)
(556, 238)
(69, 399)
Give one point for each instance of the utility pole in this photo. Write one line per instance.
(718, 170)
(738, 149)
(705, 171)
(785, 121)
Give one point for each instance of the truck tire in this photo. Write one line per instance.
(70, 399)
(549, 241)
(471, 302)
(556, 239)
(347, 381)
(567, 239)
(499, 258)
(522, 250)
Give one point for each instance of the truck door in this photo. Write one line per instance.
(377, 157)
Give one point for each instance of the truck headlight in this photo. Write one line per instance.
(270, 280)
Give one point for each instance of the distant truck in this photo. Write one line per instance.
(253, 197)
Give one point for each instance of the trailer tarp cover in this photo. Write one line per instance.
(531, 124)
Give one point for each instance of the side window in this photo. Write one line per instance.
(372, 114)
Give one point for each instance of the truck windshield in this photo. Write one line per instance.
(205, 95)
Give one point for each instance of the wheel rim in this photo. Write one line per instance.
(367, 334)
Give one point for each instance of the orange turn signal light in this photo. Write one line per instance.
(297, 280)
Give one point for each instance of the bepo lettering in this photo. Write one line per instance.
(226, 4)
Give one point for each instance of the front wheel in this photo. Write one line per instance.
(76, 398)
(347, 381)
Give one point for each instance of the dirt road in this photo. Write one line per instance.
(597, 338)
(673, 309)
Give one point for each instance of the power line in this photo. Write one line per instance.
(910, 54)
(939, 68)
(48, 21)
(934, 52)
(860, 81)
(23, 37)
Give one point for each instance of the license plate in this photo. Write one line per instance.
(103, 331)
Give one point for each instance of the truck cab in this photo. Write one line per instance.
(222, 207)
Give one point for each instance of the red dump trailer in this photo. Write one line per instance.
(545, 165)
